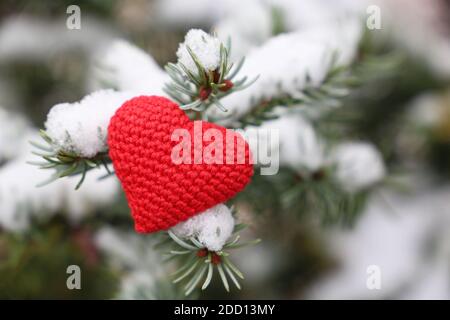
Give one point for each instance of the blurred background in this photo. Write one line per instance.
(402, 107)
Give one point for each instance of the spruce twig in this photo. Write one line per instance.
(198, 263)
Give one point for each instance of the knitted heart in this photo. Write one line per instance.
(162, 193)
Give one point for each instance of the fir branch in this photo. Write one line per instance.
(319, 194)
(315, 195)
(198, 91)
(336, 85)
(66, 163)
(197, 264)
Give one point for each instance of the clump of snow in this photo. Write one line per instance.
(358, 165)
(212, 228)
(427, 110)
(21, 199)
(128, 68)
(205, 47)
(298, 147)
(285, 62)
(81, 127)
(13, 128)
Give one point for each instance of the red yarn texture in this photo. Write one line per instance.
(161, 193)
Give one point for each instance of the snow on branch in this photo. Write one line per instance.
(359, 165)
(204, 73)
(14, 127)
(204, 46)
(22, 202)
(289, 63)
(126, 67)
(212, 228)
(81, 127)
(75, 139)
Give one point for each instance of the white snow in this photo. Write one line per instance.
(126, 249)
(284, 62)
(131, 254)
(127, 68)
(13, 127)
(205, 47)
(138, 285)
(81, 127)
(25, 37)
(394, 234)
(20, 199)
(427, 110)
(212, 227)
(359, 165)
(299, 148)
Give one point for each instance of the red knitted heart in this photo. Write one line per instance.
(160, 192)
